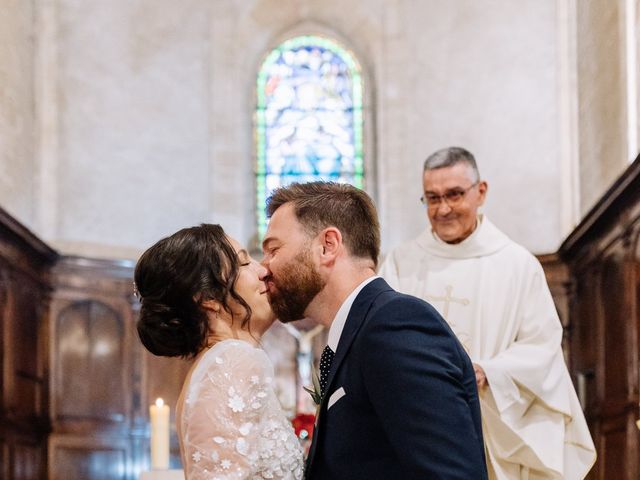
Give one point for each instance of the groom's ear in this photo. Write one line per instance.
(330, 241)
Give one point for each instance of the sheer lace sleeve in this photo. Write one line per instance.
(229, 399)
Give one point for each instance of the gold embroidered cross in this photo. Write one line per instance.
(447, 299)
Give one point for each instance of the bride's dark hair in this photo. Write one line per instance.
(173, 277)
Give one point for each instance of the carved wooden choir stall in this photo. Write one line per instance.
(603, 257)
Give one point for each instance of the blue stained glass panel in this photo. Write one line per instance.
(308, 117)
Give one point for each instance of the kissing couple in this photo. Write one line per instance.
(399, 397)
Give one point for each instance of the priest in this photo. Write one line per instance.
(494, 295)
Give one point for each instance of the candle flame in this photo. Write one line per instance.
(159, 402)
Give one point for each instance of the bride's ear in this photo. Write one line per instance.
(211, 305)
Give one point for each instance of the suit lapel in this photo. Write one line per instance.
(354, 322)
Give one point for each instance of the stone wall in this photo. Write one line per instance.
(602, 97)
(17, 123)
(144, 110)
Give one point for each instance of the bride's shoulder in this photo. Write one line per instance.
(233, 355)
(233, 349)
(231, 362)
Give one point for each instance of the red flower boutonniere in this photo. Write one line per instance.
(303, 425)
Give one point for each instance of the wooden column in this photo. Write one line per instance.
(24, 299)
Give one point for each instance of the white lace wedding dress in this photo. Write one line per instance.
(232, 425)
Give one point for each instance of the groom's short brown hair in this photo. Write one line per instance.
(319, 205)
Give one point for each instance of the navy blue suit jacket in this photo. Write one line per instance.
(410, 407)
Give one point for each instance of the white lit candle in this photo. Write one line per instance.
(159, 415)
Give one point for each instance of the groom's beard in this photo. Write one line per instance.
(295, 288)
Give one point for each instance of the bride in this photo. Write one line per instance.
(202, 298)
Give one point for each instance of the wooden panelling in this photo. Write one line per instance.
(558, 279)
(24, 299)
(604, 265)
(584, 340)
(89, 344)
(4, 458)
(612, 454)
(103, 380)
(28, 459)
(615, 335)
(89, 458)
(92, 379)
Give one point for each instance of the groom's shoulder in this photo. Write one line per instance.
(384, 293)
(389, 303)
(392, 301)
(401, 318)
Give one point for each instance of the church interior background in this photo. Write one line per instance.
(121, 122)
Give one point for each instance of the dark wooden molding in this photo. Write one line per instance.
(555, 268)
(606, 212)
(112, 268)
(13, 232)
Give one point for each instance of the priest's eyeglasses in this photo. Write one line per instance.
(451, 198)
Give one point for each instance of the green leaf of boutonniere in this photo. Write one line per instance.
(316, 394)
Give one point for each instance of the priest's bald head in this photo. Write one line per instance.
(453, 192)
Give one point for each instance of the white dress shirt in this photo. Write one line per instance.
(335, 331)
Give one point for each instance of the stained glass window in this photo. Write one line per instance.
(308, 117)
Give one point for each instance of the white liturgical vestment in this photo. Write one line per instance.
(494, 295)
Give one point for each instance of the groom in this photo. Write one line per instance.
(399, 392)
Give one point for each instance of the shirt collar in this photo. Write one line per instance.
(335, 331)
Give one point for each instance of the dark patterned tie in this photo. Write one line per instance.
(325, 366)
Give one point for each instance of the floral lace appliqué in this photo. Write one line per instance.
(236, 403)
(249, 436)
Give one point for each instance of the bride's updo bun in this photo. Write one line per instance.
(173, 277)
